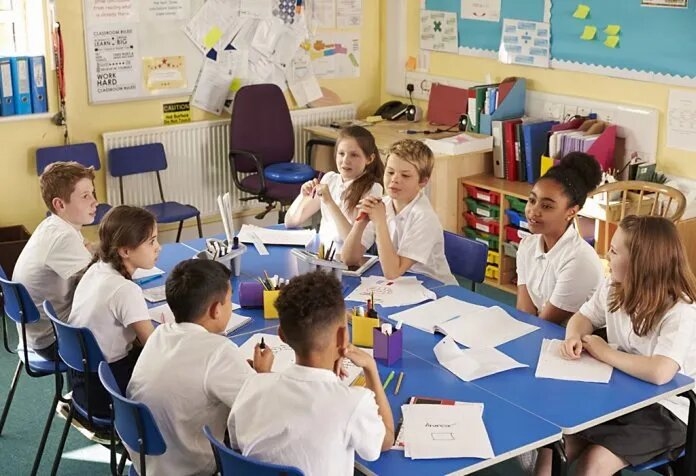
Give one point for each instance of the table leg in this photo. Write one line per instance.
(559, 459)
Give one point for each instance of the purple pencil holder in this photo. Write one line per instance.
(251, 294)
(387, 349)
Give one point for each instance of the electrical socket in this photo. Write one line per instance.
(584, 111)
(569, 111)
(553, 111)
(422, 83)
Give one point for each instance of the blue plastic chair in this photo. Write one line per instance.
(134, 423)
(79, 350)
(232, 463)
(466, 257)
(262, 142)
(84, 153)
(19, 307)
(146, 158)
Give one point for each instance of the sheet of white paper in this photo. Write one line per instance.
(155, 294)
(446, 431)
(163, 314)
(402, 291)
(236, 321)
(484, 10)
(471, 364)
(438, 31)
(283, 354)
(488, 327)
(681, 119)
(426, 316)
(267, 34)
(260, 9)
(323, 13)
(276, 237)
(171, 10)
(584, 369)
(305, 90)
(237, 61)
(141, 273)
(348, 13)
(335, 54)
(215, 17)
(525, 42)
(211, 87)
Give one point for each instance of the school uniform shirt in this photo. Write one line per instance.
(107, 303)
(305, 417)
(328, 231)
(674, 337)
(188, 378)
(417, 234)
(53, 254)
(566, 276)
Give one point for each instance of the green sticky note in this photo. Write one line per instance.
(235, 84)
(588, 33)
(612, 41)
(212, 37)
(581, 12)
(612, 29)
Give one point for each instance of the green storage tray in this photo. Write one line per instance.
(482, 209)
(516, 203)
(487, 238)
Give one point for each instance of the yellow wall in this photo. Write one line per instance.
(592, 86)
(19, 192)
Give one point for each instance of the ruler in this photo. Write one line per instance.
(258, 244)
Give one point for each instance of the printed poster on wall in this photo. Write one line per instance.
(438, 31)
(525, 42)
(483, 10)
(115, 62)
(110, 11)
(665, 3)
(163, 10)
(335, 55)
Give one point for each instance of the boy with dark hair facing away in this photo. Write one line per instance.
(305, 417)
(188, 373)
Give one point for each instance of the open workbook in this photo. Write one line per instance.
(164, 315)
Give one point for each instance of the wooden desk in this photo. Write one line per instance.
(444, 182)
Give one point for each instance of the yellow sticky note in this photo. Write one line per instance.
(581, 11)
(235, 84)
(612, 41)
(588, 33)
(612, 29)
(411, 63)
(212, 37)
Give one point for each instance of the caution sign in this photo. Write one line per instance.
(176, 113)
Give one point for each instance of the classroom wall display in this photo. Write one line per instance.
(645, 40)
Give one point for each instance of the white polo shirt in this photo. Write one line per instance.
(328, 232)
(566, 275)
(305, 417)
(53, 254)
(188, 378)
(417, 234)
(673, 337)
(107, 303)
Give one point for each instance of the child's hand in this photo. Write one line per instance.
(263, 359)
(322, 191)
(359, 357)
(308, 187)
(596, 346)
(373, 207)
(339, 370)
(571, 348)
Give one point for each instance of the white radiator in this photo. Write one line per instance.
(198, 168)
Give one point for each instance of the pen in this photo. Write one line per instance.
(262, 346)
(398, 383)
(389, 379)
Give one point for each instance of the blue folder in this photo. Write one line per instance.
(535, 137)
(511, 107)
(6, 94)
(21, 84)
(37, 76)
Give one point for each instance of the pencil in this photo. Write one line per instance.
(390, 377)
(398, 383)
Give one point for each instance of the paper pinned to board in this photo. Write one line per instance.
(581, 12)
(212, 86)
(588, 33)
(585, 369)
(471, 364)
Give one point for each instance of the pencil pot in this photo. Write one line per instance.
(387, 348)
(269, 309)
(251, 294)
(337, 272)
(232, 258)
(362, 330)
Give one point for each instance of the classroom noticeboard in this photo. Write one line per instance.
(137, 49)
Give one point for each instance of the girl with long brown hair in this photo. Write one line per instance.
(647, 305)
(360, 172)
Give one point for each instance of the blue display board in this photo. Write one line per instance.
(485, 35)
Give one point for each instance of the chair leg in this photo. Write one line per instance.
(61, 445)
(473, 286)
(200, 227)
(10, 394)
(122, 462)
(44, 436)
(178, 233)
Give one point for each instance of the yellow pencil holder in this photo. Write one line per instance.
(362, 330)
(269, 308)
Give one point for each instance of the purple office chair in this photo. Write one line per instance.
(262, 145)
(84, 153)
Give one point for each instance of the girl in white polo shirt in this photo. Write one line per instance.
(110, 304)
(557, 270)
(360, 172)
(648, 307)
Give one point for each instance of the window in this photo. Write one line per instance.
(22, 27)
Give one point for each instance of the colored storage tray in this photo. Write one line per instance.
(482, 194)
(490, 240)
(482, 209)
(515, 234)
(510, 249)
(492, 272)
(487, 225)
(517, 219)
(516, 203)
(493, 257)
